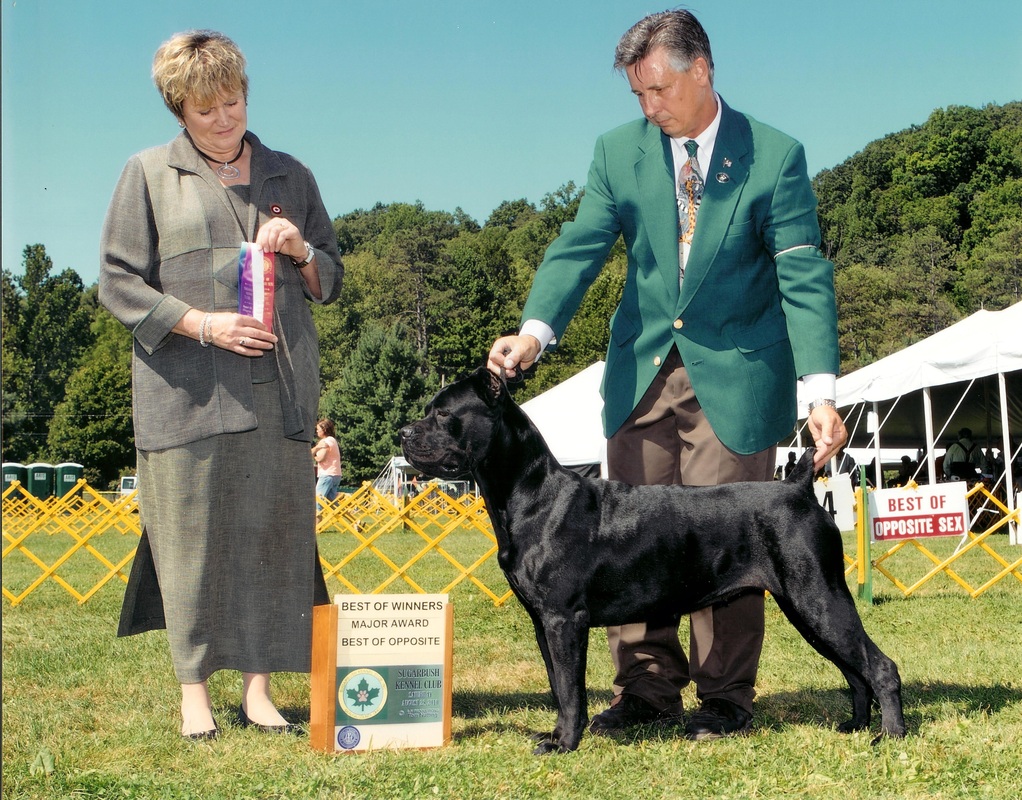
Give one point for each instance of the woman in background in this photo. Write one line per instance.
(327, 454)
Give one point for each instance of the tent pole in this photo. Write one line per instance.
(931, 458)
(878, 473)
(1009, 482)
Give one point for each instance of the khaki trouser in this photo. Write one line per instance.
(668, 440)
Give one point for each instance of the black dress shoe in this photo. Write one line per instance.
(287, 727)
(628, 712)
(202, 736)
(717, 718)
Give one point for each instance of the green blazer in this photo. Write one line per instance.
(757, 307)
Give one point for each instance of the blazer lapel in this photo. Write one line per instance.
(184, 156)
(654, 174)
(729, 170)
(265, 164)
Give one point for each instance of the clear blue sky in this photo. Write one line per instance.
(456, 102)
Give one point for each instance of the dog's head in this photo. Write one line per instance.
(456, 432)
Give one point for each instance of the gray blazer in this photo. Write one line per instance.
(170, 242)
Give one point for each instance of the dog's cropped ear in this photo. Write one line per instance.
(494, 386)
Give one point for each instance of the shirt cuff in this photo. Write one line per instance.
(540, 330)
(818, 386)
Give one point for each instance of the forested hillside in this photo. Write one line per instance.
(924, 227)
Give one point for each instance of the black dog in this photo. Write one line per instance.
(580, 552)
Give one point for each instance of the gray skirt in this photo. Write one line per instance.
(228, 562)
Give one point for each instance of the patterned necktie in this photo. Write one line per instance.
(690, 193)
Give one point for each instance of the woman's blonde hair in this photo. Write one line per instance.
(201, 65)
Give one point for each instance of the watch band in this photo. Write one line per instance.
(821, 401)
(309, 255)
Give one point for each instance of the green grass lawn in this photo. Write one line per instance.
(87, 715)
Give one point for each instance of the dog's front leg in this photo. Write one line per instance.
(567, 644)
(544, 650)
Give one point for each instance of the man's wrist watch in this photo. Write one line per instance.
(821, 401)
(309, 255)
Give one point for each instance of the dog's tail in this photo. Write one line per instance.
(804, 471)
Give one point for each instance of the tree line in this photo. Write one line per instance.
(924, 226)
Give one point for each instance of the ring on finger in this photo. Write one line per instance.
(243, 341)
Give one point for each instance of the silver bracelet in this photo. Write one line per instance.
(821, 401)
(207, 323)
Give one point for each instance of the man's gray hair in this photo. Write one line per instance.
(677, 31)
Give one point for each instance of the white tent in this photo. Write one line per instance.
(986, 343)
(967, 375)
(570, 417)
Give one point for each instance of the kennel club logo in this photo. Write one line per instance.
(362, 694)
(349, 737)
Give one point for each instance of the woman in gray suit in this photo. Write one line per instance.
(224, 405)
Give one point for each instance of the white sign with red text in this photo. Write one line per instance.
(905, 513)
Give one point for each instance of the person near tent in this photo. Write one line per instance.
(845, 463)
(963, 459)
(906, 470)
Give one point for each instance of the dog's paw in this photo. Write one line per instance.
(852, 725)
(549, 746)
(549, 743)
(886, 734)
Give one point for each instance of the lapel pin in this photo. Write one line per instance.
(727, 162)
(722, 177)
(275, 210)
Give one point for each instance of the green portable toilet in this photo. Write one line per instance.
(67, 476)
(40, 480)
(15, 472)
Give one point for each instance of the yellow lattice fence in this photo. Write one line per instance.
(80, 541)
(369, 543)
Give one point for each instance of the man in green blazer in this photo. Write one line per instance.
(718, 321)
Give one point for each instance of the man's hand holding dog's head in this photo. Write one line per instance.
(510, 353)
(828, 432)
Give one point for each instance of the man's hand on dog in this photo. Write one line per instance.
(511, 352)
(828, 432)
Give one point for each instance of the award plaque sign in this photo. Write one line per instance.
(381, 672)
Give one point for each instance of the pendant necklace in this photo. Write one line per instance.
(225, 170)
